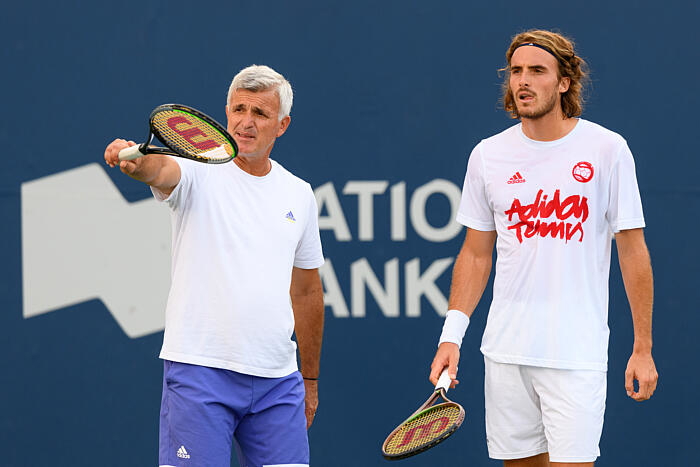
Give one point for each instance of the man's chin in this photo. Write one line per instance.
(535, 113)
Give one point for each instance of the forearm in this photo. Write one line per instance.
(308, 316)
(639, 285)
(635, 266)
(469, 278)
(156, 170)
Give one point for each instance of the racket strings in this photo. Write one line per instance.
(427, 427)
(189, 133)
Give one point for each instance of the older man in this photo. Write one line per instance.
(246, 252)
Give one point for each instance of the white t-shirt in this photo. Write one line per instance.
(555, 206)
(235, 238)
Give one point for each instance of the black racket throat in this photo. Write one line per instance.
(146, 148)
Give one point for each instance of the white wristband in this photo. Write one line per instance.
(455, 326)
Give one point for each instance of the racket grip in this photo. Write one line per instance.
(444, 381)
(132, 152)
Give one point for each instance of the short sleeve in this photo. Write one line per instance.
(475, 210)
(188, 172)
(309, 253)
(625, 206)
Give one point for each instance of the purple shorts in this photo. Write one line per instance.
(204, 411)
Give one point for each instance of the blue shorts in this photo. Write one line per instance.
(205, 410)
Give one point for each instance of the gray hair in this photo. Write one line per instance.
(263, 78)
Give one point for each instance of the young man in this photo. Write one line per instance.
(550, 193)
(246, 252)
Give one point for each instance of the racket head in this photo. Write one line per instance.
(424, 429)
(192, 134)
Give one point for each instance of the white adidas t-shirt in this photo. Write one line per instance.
(235, 238)
(555, 206)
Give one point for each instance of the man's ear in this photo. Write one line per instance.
(284, 124)
(564, 84)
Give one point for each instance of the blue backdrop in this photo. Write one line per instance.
(390, 97)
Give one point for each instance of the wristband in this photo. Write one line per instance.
(455, 326)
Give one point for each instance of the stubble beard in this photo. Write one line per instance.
(538, 112)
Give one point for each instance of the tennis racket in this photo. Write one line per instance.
(187, 133)
(426, 427)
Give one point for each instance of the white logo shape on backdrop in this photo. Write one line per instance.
(81, 240)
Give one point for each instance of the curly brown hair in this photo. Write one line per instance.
(570, 66)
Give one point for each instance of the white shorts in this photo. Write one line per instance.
(531, 410)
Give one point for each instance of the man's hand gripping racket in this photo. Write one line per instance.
(186, 132)
(426, 427)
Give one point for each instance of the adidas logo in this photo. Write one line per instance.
(182, 453)
(290, 217)
(517, 178)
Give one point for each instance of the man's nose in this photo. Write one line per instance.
(247, 119)
(523, 80)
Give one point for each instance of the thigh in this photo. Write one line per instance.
(196, 427)
(274, 431)
(514, 428)
(573, 407)
(540, 460)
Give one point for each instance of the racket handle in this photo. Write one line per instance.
(132, 152)
(444, 381)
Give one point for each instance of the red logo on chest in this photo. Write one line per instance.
(517, 178)
(583, 172)
(567, 217)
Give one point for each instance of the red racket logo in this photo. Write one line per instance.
(583, 172)
(425, 430)
(189, 133)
